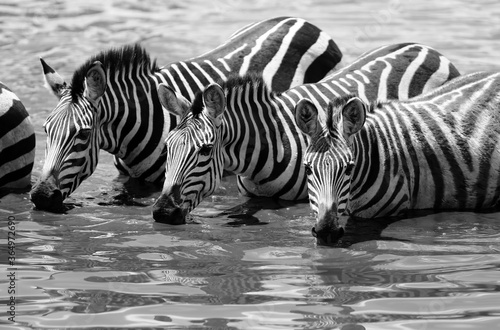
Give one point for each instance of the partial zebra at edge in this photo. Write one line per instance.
(17, 143)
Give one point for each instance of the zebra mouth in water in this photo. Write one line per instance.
(47, 196)
(327, 236)
(47, 199)
(166, 210)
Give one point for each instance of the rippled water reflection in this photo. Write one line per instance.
(240, 264)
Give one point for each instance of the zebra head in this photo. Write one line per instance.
(72, 138)
(194, 159)
(329, 160)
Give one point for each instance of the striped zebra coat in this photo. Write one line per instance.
(247, 129)
(438, 151)
(111, 103)
(17, 143)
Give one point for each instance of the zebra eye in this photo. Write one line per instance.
(348, 168)
(206, 149)
(84, 133)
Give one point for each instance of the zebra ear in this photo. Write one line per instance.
(306, 117)
(53, 81)
(214, 100)
(354, 116)
(95, 82)
(173, 102)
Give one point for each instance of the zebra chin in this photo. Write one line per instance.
(47, 196)
(166, 210)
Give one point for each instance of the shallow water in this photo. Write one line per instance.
(240, 264)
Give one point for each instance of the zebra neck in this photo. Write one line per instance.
(133, 123)
(258, 134)
(376, 157)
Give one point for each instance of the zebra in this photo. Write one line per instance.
(111, 102)
(245, 128)
(437, 151)
(17, 143)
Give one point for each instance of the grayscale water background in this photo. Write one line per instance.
(103, 265)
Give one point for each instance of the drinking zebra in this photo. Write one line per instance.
(17, 143)
(437, 151)
(111, 103)
(247, 129)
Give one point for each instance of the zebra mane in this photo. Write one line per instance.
(334, 107)
(251, 79)
(234, 82)
(197, 105)
(127, 58)
(333, 110)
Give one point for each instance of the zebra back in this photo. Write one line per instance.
(415, 69)
(17, 142)
(399, 71)
(287, 51)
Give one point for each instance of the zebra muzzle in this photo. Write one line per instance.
(46, 196)
(327, 230)
(166, 210)
(328, 237)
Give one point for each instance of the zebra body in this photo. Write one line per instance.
(437, 151)
(257, 137)
(17, 142)
(125, 117)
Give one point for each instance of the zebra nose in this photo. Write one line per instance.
(47, 197)
(327, 237)
(165, 210)
(327, 230)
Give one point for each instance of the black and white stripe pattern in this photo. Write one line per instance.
(437, 151)
(17, 142)
(260, 141)
(130, 123)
